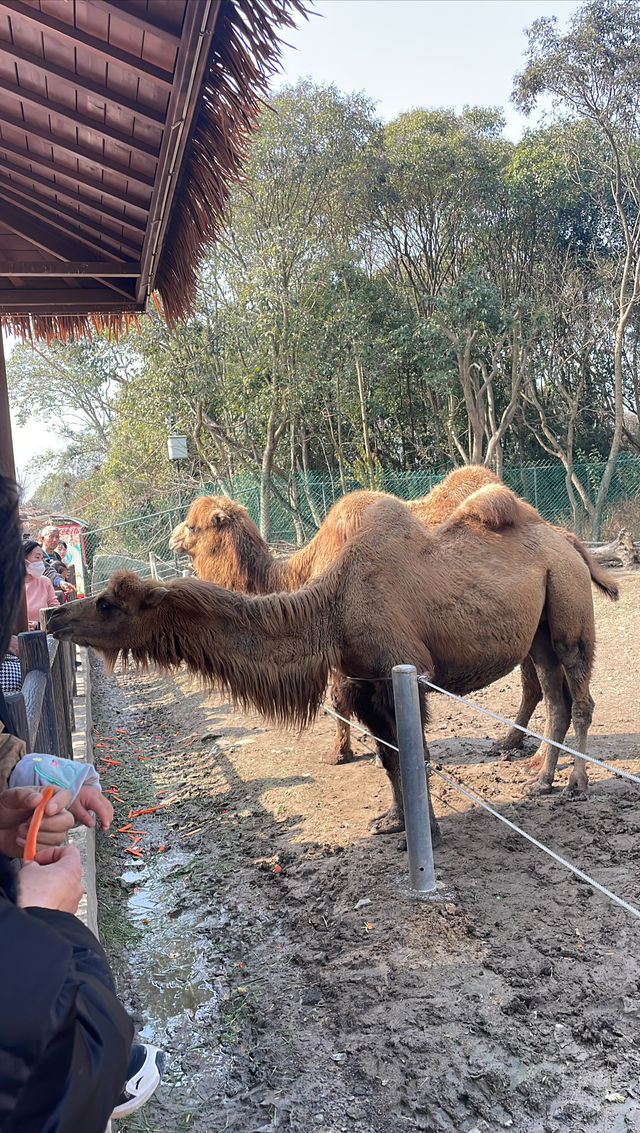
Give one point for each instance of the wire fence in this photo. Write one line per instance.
(127, 543)
(465, 790)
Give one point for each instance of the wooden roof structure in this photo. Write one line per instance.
(123, 125)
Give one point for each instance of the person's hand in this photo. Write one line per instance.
(52, 881)
(13, 645)
(92, 799)
(66, 587)
(17, 805)
(33, 625)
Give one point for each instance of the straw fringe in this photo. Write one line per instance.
(244, 56)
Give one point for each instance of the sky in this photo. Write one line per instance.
(402, 54)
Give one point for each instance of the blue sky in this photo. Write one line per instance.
(402, 54)
(428, 53)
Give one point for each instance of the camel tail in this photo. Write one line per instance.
(599, 576)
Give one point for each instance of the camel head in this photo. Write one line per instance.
(121, 618)
(206, 514)
(224, 544)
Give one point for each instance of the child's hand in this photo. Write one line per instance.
(92, 799)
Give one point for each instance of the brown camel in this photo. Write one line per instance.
(226, 547)
(465, 604)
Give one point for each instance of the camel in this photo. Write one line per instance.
(226, 547)
(465, 604)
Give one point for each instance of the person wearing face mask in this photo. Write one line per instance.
(38, 588)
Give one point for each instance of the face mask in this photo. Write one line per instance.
(36, 569)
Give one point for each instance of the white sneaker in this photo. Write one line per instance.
(146, 1067)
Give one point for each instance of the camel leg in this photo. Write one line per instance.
(577, 673)
(341, 752)
(531, 697)
(373, 705)
(557, 700)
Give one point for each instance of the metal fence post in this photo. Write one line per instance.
(414, 780)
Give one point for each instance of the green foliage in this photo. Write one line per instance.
(396, 298)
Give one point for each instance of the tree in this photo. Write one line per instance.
(594, 72)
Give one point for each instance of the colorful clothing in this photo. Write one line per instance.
(40, 594)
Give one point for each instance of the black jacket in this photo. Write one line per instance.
(65, 1038)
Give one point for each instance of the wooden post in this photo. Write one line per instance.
(17, 715)
(60, 697)
(37, 690)
(7, 463)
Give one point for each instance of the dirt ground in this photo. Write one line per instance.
(273, 948)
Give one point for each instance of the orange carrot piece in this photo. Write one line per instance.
(34, 826)
(121, 829)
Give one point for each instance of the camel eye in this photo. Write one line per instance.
(191, 528)
(103, 606)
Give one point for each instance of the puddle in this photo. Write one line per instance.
(174, 961)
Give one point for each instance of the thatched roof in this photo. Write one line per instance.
(123, 126)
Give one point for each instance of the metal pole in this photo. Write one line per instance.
(414, 780)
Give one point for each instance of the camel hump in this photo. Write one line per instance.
(494, 506)
(345, 517)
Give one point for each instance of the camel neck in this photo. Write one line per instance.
(271, 651)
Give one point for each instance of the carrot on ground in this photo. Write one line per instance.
(34, 826)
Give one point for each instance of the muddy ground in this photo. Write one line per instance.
(272, 947)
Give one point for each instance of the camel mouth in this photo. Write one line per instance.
(61, 631)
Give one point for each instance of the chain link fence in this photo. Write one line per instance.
(141, 542)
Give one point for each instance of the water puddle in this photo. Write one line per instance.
(175, 960)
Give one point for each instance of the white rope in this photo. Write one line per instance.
(358, 728)
(540, 845)
(529, 732)
(496, 814)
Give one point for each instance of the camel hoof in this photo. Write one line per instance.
(575, 792)
(391, 822)
(336, 756)
(535, 761)
(539, 785)
(505, 748)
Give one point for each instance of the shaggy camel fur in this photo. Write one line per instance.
(226, 547)
(495, 584)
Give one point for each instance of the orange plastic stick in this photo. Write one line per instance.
(34, 826)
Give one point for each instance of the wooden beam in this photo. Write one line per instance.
(69, 145)
(82, 39)
(43, 66)
(32, 98)
(49, 236)
(80, 178)
(91, 234)
(62, 301)
(69, 195)
(94, 269)
(193, 58)
(136, 19)
(27, 222)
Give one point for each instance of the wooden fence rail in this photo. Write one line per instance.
(42, 714)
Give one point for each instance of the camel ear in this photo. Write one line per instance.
(218, 517)
(154, 597)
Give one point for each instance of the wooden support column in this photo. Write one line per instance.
(7, 465)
